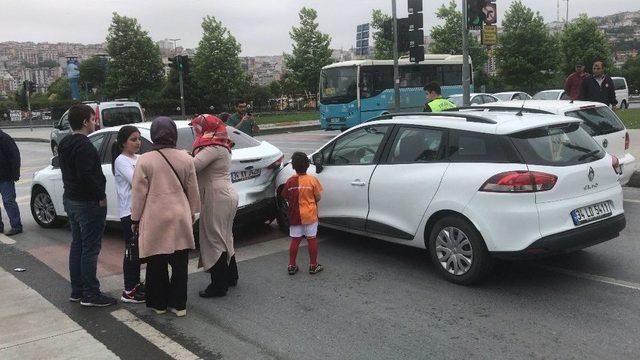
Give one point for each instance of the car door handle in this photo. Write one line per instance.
(358, 183)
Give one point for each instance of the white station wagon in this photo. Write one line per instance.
(253, 167)
(469, 187)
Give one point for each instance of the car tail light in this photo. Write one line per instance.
(616, 165)
(98, 117)
(626, 141)
(276, 164)
(520, 182)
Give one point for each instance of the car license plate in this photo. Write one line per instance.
(335, 120)
(244, 175)
(591, 213)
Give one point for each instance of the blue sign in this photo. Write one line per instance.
(362, 39)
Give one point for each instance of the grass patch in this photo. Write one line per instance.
(630, 117)
(287, 117)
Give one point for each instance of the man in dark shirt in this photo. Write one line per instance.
(598, 87)
(9, 174)
(242, 120)
(86, 205)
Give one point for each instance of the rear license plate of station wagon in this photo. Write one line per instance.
(591, 213)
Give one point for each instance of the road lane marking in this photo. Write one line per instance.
(6, 240)
(148, 332)
(598, 278)
(632, 201)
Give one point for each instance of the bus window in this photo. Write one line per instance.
(374, 80)
(411, 76)
(338, 85)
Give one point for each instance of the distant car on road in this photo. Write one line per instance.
(512, 95)
(469, 187)
(557, 94)
(474, 99)
(253, 167)
(622, 91)
(108, 113)
(598, 120)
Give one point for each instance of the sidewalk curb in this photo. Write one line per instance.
(31, 140)
(288, 129)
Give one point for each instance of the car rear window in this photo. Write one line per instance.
(598, 120)
(557, 145)
(472, 147)
(619, 84)
(240, 139)
(121, 116)
(546, 95)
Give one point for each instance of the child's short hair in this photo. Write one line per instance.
(300, 162)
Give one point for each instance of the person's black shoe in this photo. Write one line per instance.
(233, 282)
(14, 232)
(210, 293)
(99, 300)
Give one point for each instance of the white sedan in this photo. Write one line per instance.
(253, 167)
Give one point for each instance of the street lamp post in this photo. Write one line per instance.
(180, 67)
(466, 76)
(396, 75)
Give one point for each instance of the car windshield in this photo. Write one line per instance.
(557, 145)
(546, 95)
(503, 97)
(456, 99)
(240, 140)
(338, 85)
(598, 120)
(121, 116)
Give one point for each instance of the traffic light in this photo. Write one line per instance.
(415, 23)
(480, 12)
(179, 62)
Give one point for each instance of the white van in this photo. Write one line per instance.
(622, 92)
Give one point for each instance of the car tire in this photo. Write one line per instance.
(282, 214)
(471, 261)
(42, 209)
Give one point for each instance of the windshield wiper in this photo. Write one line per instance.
(589, 154)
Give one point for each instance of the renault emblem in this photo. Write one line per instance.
(605, 143)
(592, 174)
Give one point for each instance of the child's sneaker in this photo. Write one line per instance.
(135, 296)
(292, 269)
(315, 269)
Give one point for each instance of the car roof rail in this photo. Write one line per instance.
(502, 108)
(467, 116)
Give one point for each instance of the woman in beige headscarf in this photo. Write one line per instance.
(212, 159)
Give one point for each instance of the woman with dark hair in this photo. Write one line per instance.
(164, 202)
(212, 158)
(124, 154)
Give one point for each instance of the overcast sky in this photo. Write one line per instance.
(262, 27)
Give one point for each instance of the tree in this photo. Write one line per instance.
(136, 68)
(447, 37)
(631, 71)
(310, 51)
(93, 72)
(60, 89)
(527, 53)
(275, 88)
(383, 47)
(582, 41)
(216, 65)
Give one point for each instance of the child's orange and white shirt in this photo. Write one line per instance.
(301, 191)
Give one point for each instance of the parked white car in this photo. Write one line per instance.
(622, 91)
(597, 119)
(512, 95)
(469, 187)
(557, 94)
(474, 99)
(253, 167)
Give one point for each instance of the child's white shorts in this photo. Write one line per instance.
(309, 230)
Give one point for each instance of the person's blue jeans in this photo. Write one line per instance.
(87, 220)
(8, 191)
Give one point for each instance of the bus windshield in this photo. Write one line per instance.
(338, 85)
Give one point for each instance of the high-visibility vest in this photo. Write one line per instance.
(440, 104)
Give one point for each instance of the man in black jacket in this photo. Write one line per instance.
(9, 174)
(86, 205)
(598, 87)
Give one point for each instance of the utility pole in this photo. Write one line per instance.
(396, 74)
(566, 19)
(28, 93)
(181, 66)
(466, 76)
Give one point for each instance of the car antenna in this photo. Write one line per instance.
(519, 113)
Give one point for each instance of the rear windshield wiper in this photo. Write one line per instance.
(589, 154)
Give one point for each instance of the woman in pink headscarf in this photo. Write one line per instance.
(212, 159)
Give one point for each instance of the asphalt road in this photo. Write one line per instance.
(375, 300)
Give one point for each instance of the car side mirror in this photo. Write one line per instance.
(317, 160)
(55, 162)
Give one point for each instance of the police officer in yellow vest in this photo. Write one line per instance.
(435, 102)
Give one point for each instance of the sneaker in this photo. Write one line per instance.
(133, 297)
(179, 313)
(159, 311)
(315, 269)
(100, 300)
(74, 298)
(292, 269)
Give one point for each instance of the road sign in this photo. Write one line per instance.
(362, 39)
(489, 35)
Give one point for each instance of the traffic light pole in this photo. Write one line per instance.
(466, 76)
(396, 75)
(181, 93)
(28, 94)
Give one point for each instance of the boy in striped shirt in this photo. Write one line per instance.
(302, 192)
